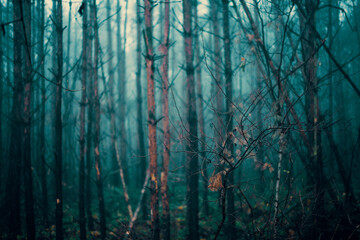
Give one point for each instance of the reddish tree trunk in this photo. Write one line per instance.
(154, 205)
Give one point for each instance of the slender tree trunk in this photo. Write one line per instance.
(1, 102)
(90, 116)
(43, 168)
(192, 177)
(82, 218)
(68, 126)
(279, 116)
(58, 123)
(218, 130)
(68, 45)
(115, 180)
(154, 205)
(205, 203)
(139, 110)
(166, 124)
(29, 198)
(15, 152)
(99, 181)
(260, 156)
(308, 43)
(230, 210)
(121, 57)
(331, 66)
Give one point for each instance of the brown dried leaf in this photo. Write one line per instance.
(215, 182)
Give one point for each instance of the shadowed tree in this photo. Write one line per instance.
(139, 111)
(58, 71)
(99, 178)
(202, 147)
(191, 165)
(115, 180)
(28, 181)
(43, 167)
(90, 117)
(12, 200)
(230, 210)
(84, 57)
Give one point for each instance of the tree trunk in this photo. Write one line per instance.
(43, 168)
(68, 125)
(1, 102)
(121, 57)
(15, 151)
(82, 218)
(308, 43)
(230, 210)
(205, 203)
(166, 125)
(99, 181)
(58, 123)
(115, 180)
(90, 116)
(139, 110)
(260, 156)
(192, 176)
(218, 110)
(279, 116)
(29, 198)
(154, 205)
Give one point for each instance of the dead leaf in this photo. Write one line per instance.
(215, 182)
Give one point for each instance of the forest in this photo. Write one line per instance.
(180, 119)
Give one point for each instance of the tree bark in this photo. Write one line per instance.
(308, 43)
(121, 57)
(139, 110)
(58, 123)
(43, 168)
(82, 217)
(99, 181)
(279, 116)
(192, 177)
(90, 116)
(154, 205)
(115, 180)
(1, 102)
(230, 210)
(15, 151)
(28, 183)
(166, 124)
(205, 202)
(218, 130)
